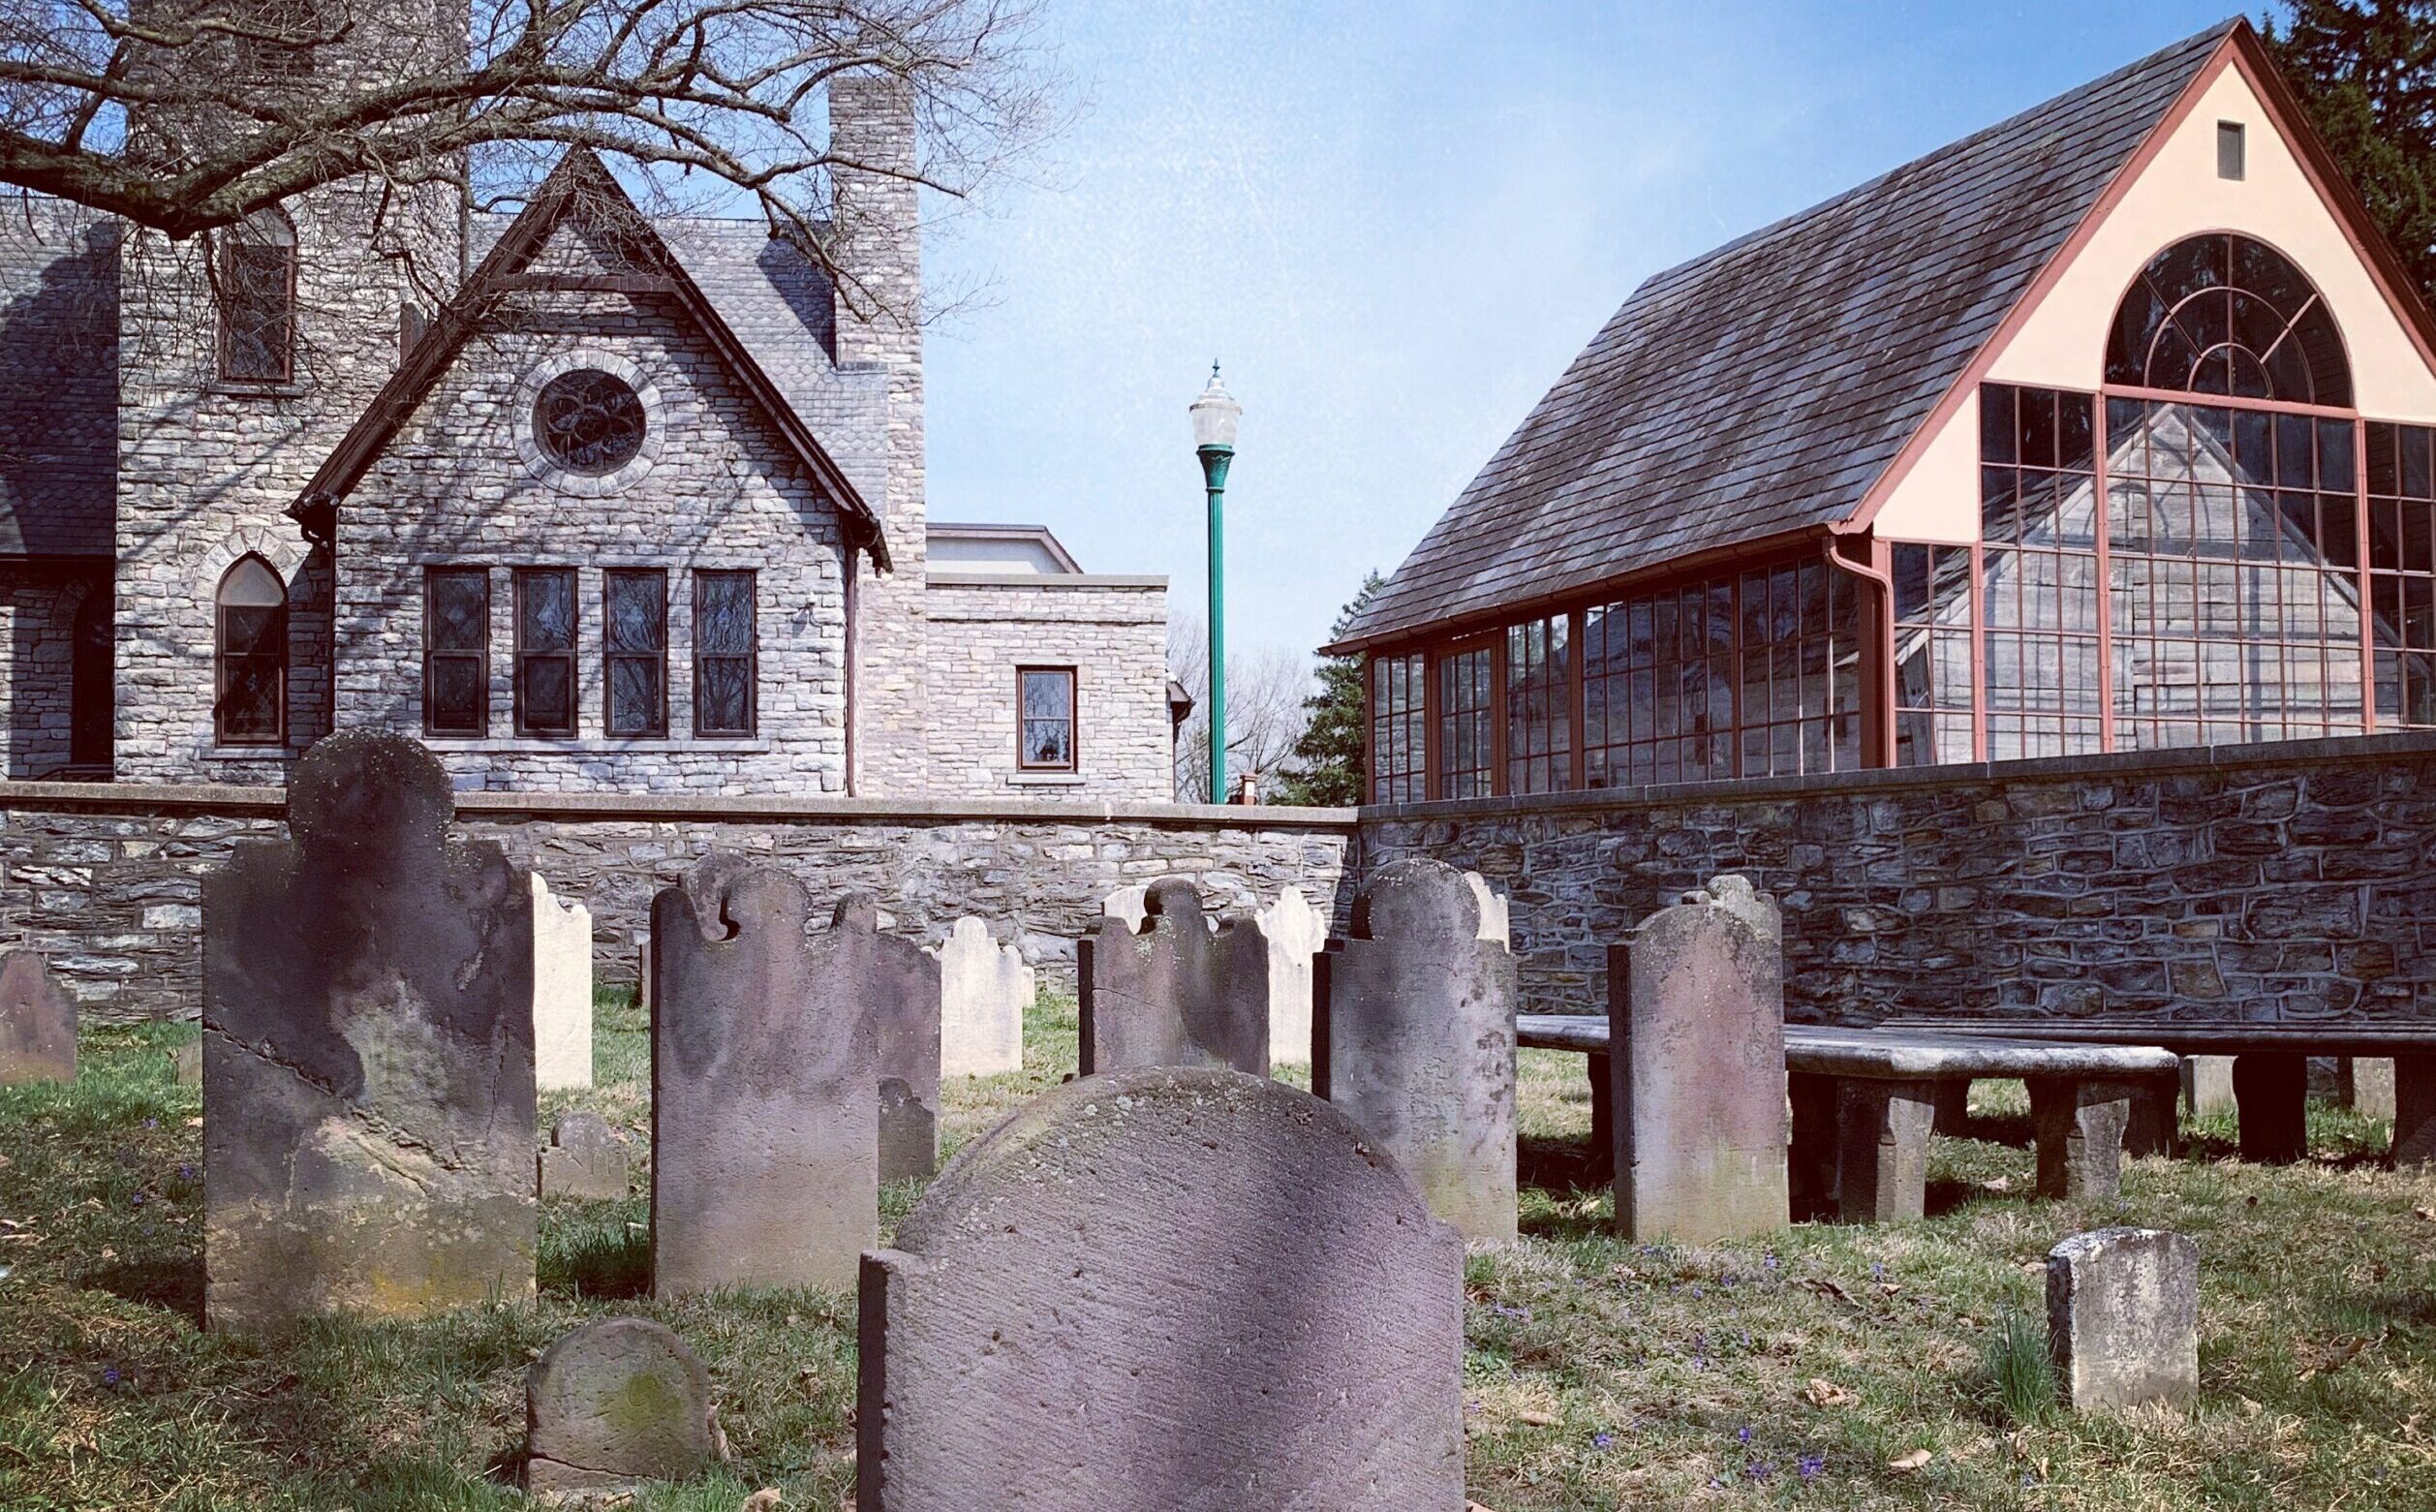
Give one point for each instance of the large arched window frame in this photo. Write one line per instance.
(249, 655)
(254, 285)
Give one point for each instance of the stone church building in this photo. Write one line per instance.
(585, 500)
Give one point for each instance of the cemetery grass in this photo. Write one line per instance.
(1829, 1366)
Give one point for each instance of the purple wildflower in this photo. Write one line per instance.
(109, 1375)
(1602, 1440)
(1743, 1434)
(1811, 1465)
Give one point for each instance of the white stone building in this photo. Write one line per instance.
(612, 504)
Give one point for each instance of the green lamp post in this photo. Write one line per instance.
(1214, 417)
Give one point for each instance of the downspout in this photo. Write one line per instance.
(853, 572)
(1877, 724)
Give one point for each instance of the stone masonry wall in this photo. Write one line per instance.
(37, 616)
(1113, 633)
(2287, 883)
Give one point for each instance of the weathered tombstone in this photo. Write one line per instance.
(618, 1402)
(38, 1021)
(1129, 904)
(983, 991)
(584, 1158)
(1497, 919)
(367, 1053)
(1697, 1025)
(1415, 1041)
(1282, 1329)
(1295, 933)
(189, 1060)
(2122, 1318)
(562, 990)
(2369, 1085)
(897, 983)
(1171, 992)
(765, 1092)
(2414, 1109)
(2207, 1083)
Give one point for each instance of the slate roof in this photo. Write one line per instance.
(1761, 388)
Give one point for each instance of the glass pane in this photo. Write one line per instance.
(1048, 695)
(460, 610)
(549, 693)
(723, 613)
(457, 693)
(546, 601)
(1047, 743)
(638, 611)
(244, 630)
(723, 698)
(634, 701)
(249, 708)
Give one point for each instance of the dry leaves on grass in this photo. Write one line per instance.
(762, 1500)
(1827, 1394)
(1906, 1463)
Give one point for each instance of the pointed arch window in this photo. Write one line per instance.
(254, 276)
(2223, 314)
(251, 624)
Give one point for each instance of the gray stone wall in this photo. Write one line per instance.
(1112, 631)
(2287, 884)
(38, 612)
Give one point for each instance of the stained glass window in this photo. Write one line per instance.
(634, 641)
(545, 650)
(589, 421)
(252, 620)
(457, 650)
(725, 667)
(254, 269)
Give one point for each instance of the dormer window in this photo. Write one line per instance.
(254, 275)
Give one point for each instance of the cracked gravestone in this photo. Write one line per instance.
(1180, 1290)
(897, 984)
(616, 1402)
(38, 1021)
(984, 988)
(367, 1054)
(584, 1158)
(2122, 1318)
(1415, 1041)
(1173, 992)
(562, 990)
(1295, 932)
(765, 1091)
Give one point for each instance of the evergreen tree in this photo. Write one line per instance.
(2367, 70)
(1328, 758)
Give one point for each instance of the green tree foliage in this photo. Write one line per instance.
(1328, 758)
(2367, 70)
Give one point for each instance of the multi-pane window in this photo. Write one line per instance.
(1800, 687)
(1657, 690)
(723, 653)
(545, 650)
(457, 650)
(2402, 571)
(1932, 654)
(1399, 729)
(2221, 314)
(254, 266)
(634, 643)
(1538, 706)
(1466, 723)
(250, 615)
(2039, 566)
(1045, 739)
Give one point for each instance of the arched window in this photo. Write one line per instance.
(251, 615)
(255, 274)
(2221, 314)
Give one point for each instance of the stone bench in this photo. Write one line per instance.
(1864, 1102)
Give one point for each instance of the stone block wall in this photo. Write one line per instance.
(39, 604)
(2274, 883)
(1111, 630)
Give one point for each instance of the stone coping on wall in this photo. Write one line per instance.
(270, 802)
(939, 580)
(2333, 750)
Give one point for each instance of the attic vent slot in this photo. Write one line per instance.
(2229, 150)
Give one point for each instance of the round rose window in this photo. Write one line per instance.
(588, 422)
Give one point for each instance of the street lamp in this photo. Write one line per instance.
(1214, 418)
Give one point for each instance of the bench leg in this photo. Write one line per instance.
(1602, 1120)
(2272, 1089)
(1882, 1149)
(2207, 1083)
(1810, 1171)
(2080, 1127)
(2154, 1127)
(1953, 1100)
(2414, 1109)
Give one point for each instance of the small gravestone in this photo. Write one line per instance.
(2122, 1318)
(585, 1158)
(2207, 1083)
(765, 1092)
(188, 1059)
(618, 1402)
(1295, 933)
(1173, 992)
(1497, 917)
(1415, 1041)
(1696, 1016)
(1131, 904)
(2369, 1085)
(37, 1023)
(897, 985)
(983, 991)
(1165, 1290)
(367, 1054)
(562, 990)
(2414, 1109)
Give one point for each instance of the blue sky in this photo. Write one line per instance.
(1394, 223)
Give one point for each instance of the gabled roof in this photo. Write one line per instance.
(1759, 389)
(752, 346)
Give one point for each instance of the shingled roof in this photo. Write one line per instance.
(1761, 388)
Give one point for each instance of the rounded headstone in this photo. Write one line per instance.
(619, 1400)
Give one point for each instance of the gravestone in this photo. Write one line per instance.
(584, 1158)
(37, 1023)
(897, 983)
(1697, 1020)
(1497, 919)
(1415, 1041)
(1187, 1290)
(765, 1091)
(2207, 1083)
(189, 1060)
(1172, 992)
(2414, 1109)
(1129, 904)
(2369, 1085)
(983, 991)
(618, 1402)
(367, 1054)
(642, 970)
(1295, 933)
(562, 990)
(2122, 1318)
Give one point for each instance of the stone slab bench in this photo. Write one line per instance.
(1864, 1102)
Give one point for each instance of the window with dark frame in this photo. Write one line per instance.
(1045, 741)
(724, 668)
(255, 270)
(634, 641)
(1539, 706)
(457, 650)
(545, 650)
(1466, 723)
(1399, 729)
(2402, 572)
(2230, 155)
(249, 707)
(1932, 654)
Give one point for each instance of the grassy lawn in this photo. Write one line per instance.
(1802, 1372)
